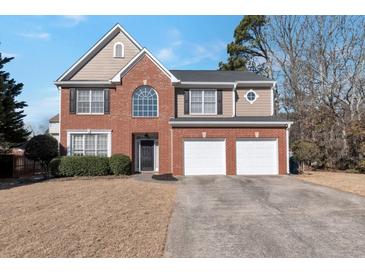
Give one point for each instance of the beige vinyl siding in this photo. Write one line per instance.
(261, 107)
(103, 66)
(226, 104)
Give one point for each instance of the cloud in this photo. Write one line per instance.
(179, 52)
(40, 110)
(73, 20)
(199, 53)
(36, 35)
(174, 35)
(166, 54)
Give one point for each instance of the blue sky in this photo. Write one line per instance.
(45, 46)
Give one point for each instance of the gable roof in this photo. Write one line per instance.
(144, 52)
(218, 76)
(54, 119)
(91, 52)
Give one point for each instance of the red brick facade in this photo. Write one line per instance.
(231, 135)
(120, 119)
(123, 125)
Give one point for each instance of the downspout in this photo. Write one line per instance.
(287, 149)
(59, 120)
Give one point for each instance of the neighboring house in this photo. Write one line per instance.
(54, 127)
(118, 98)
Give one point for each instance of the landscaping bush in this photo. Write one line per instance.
(54, 166)
(84, 166)
(120, 164)
(361, 166)
(42, 148)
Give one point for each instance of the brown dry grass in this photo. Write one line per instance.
(85, 218)
(349, 182)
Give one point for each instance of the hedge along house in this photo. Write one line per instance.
(118, 98)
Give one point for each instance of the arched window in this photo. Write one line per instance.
(118, 50)
(145, 102)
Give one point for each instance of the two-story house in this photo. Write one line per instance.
(118, 98)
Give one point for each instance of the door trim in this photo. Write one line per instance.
(154, 153)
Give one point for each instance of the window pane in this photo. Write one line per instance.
(89, 144)
(97, 101)
(118, 50)
(196, 101)
(145, 102)
(83, 105)
(83, 95)
(251, 96)
(77, 144)
(209, 101)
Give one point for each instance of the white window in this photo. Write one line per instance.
(89, 144)
(203, 101)
(90, 101)
(145, 102)
(251, 96)
(118, 50)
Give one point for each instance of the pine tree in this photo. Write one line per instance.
(12, 131)
(248, 51)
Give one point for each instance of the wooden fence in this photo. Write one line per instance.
(18, 166)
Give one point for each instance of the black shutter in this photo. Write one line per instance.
(72, 100)
(106, 101)
(186, 102)
(219, 102)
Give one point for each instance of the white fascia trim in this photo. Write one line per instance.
(116, 78)
(224, 123)
(82, 83)
(247, 83)
(234, 100)
(90, 51)
(89, 131)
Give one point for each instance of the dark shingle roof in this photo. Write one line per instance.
(216, 76)
(54, 119)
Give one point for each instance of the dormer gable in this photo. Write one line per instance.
(111, 53)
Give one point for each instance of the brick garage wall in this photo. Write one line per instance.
(120, 119)
(230, 134)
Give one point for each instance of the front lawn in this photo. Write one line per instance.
(85, 218)
(350, 182)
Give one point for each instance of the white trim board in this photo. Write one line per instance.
(95, 48)
(229, 123)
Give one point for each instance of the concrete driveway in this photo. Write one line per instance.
(274, 216)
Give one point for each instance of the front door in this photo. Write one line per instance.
(147, 155)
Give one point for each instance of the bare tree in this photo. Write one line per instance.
(321, 74)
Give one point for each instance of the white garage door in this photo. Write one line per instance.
(257, 157)
(205, 157)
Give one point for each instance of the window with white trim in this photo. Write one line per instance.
(90, 101)
(89, 144)
(145, 102)
(251, 96)
(203, 101)
(118, 50)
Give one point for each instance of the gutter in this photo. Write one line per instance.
(230, 123)
(83, 83)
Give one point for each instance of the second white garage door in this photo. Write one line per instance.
(257, 157)
(204, 157)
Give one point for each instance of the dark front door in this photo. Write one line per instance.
(147, 153)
